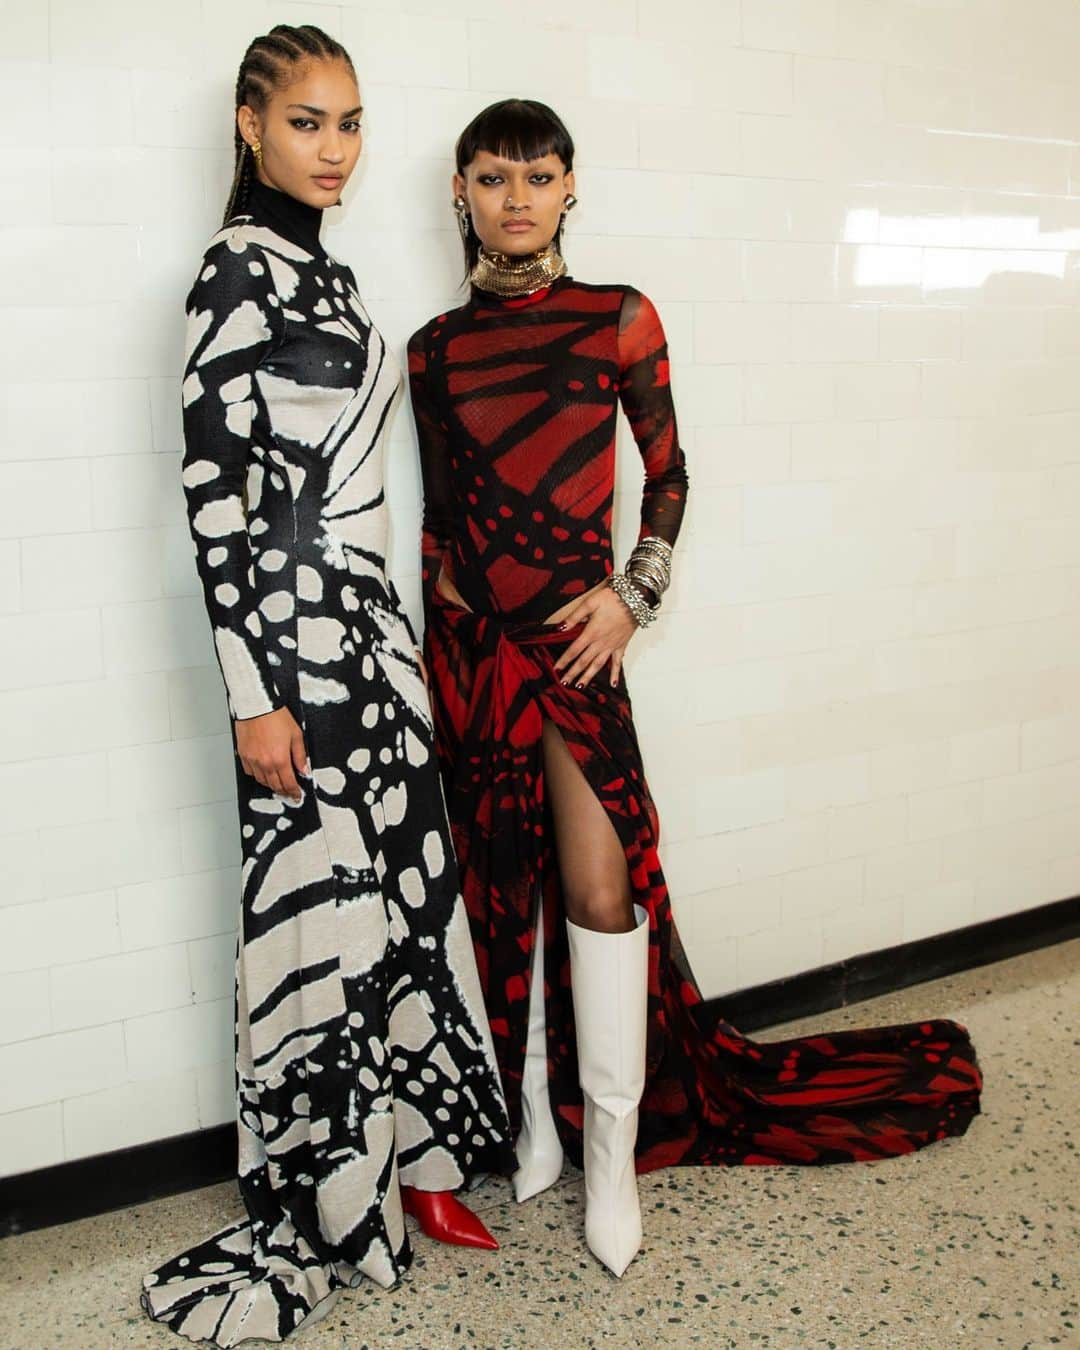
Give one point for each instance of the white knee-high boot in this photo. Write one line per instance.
(539, 1152)
(609, 980)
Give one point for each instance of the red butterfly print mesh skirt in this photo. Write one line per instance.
(711, 1094)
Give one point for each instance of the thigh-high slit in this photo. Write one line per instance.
(593, 876)
(712, 1095)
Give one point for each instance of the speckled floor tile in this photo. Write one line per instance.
(972, 1243)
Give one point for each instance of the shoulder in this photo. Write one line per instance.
(617, 298)
(631, 300)
(425, 336)
(641, 333)
(625, 303)
(235, 267)
(612, 291)
(235, 257)
(637, 311)
(238, 236)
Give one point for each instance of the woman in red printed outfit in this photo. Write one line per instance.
(605, 1046)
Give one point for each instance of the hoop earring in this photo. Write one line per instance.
(569, 204)
(462, 209)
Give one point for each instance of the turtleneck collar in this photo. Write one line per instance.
(482, 299)
(292, 219)
(513, 276)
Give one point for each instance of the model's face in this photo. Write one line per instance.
(515, 205)
(310, 133)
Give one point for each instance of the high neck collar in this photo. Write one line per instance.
(481, 299)
(292, 219)
(513, 276)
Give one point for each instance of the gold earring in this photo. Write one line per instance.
(569, 204)
(256, 150)
(461, 206)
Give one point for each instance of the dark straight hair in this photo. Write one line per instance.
(271, 62)
(516, 128)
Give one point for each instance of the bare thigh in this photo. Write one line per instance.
(592, 865)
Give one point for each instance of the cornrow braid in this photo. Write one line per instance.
(269, 63)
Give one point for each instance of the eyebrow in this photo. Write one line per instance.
(321, 112)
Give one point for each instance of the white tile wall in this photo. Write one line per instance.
(861, 224)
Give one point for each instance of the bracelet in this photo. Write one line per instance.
(652, 543)
(651, 562)
(643, 613)
(656, 544)
(656, 580)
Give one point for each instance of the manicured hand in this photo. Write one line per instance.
(609, 626)
(271, 749)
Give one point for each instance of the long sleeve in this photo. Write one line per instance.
(434, 470)
(645, 393)
(233, 323)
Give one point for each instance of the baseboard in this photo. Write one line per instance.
(87, 1186)
(128, 1176)
(882, 972)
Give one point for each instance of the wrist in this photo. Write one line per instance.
(649, 568)
(642, 613)
(646, 592)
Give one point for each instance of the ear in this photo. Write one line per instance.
(457, 185)
(568, 181)
(247, 120)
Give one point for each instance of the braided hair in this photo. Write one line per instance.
(269, 63)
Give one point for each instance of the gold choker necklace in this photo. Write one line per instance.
(505, 275)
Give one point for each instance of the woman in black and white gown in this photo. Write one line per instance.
(366, 1080)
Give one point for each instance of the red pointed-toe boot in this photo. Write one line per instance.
(442, 1216)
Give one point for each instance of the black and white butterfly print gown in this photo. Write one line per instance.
(363, 1054)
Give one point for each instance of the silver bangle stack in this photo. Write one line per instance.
(649, 566)
(650, 563)
(635, 602)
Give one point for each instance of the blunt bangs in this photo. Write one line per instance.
(515, 128)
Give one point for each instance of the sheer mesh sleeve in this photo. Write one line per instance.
(233, 322)
(645, 392)
(434, 469)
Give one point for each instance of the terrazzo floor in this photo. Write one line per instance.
(974, 1242)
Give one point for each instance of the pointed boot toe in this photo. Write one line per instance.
(443, 1217)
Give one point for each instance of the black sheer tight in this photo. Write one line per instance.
(592, 864)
